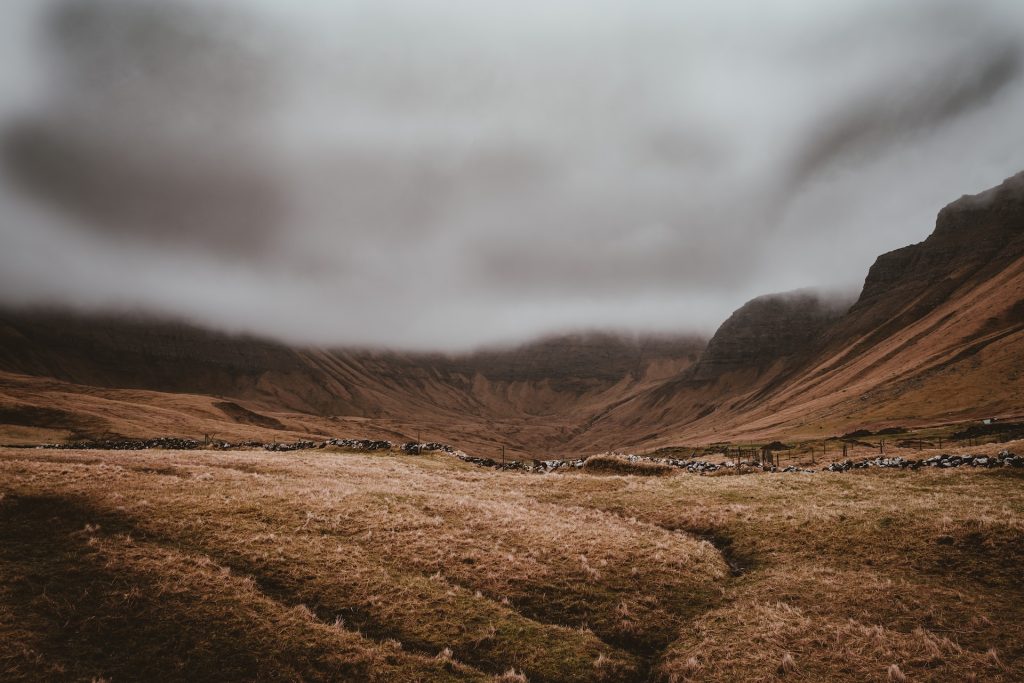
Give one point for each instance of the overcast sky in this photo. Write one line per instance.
(430, 174)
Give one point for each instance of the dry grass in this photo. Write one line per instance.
(618, 464)
(331, 566)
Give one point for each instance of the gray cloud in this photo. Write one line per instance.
(912, 102)
(442, 174)
(149, 126)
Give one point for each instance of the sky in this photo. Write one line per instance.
(441, 175)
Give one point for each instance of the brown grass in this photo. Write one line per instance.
(331, 566)
(617, 464)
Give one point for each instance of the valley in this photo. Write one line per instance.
(934, 338)
(825, 489)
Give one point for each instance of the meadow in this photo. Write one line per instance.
(331, 565)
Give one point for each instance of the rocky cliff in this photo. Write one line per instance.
(937, 333)
(766, 331)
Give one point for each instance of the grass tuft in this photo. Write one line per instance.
(617, 464)
(787, 665)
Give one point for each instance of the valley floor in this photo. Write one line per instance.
(231, 566)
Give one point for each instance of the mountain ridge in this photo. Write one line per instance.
(934, 334)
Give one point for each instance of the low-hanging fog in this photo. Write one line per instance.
(445, 174)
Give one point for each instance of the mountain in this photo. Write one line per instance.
(936, 335)
(527, 398)
(771, 330)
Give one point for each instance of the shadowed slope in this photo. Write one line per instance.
(530, 397)
(936, 335)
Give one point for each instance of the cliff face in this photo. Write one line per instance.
(976, 237)
(993, 213)
(937, 333)
(973, 236)
(765, 331)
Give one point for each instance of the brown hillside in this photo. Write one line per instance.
(935, 336)
(103, 372)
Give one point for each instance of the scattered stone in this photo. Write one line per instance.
(416, 448)
(359, 444)
(294, 446)
(169, 443)
(1003, 459)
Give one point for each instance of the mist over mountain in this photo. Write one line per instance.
(440, 176)
(934, 337)
(476, 340)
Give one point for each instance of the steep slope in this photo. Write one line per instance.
(937, 334)
(757, 349)
(137, 353)
(771, 330)
(526, 398)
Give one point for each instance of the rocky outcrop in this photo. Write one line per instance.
(766, 330)
(936, 334)
(994, 212)
(974, 237)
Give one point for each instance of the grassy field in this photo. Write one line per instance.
(162, 565)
